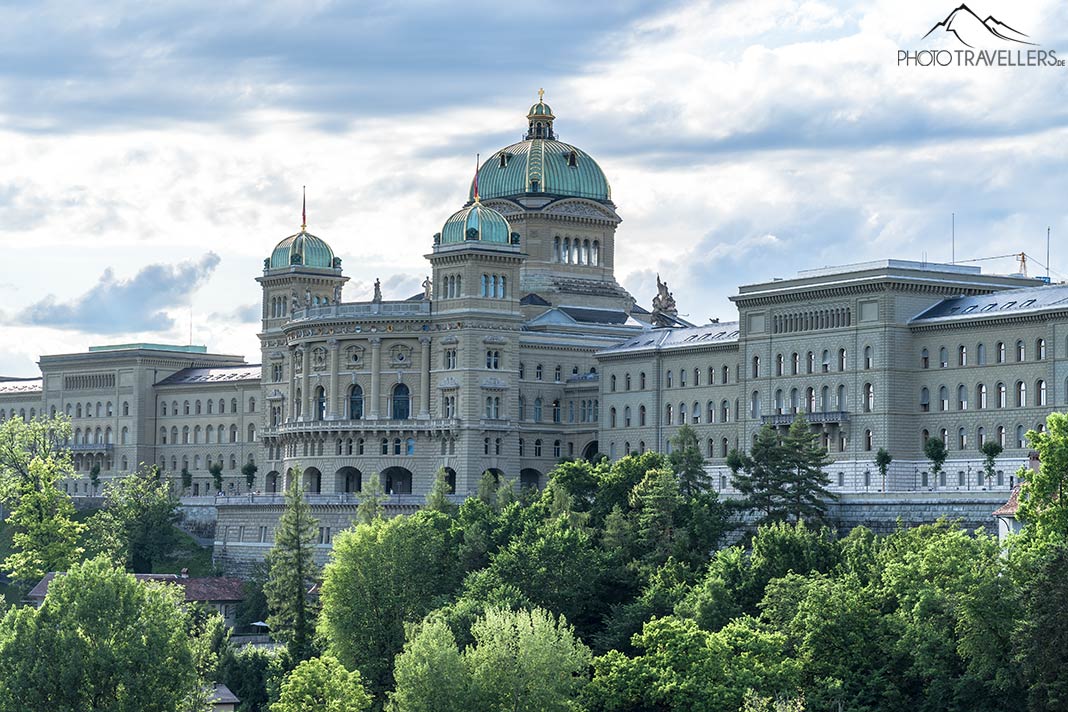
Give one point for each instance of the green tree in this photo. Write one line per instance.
(991, 450)
(94, 477)
(1043, 500)
(688, 462)
(525, 661)
(520, 661)
(762, 479)
(437, 500)
(382, 575)
(136, 525)
(322, 684)
(1041, 639)
(216, 470)
(806, 482)
(187, 479)
(883, 458)
(371, 498)
(46, 537)
(249, 470)
(430, 673)
(23, 441)
(656, 500)
(487, 488)
(935, 451)
(247, 671)
(291, 573)
(100, 641)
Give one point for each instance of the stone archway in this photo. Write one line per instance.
(313, 480)
(348, 479)
(529, 478)
(590, 451)
(397, 480)
(271, 482)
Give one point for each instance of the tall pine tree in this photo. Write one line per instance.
(688, 462)
(806, 482)
(291, 573)
(761, 479)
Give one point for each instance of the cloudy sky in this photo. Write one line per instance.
(153, 153)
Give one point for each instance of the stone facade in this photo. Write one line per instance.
(523, 350)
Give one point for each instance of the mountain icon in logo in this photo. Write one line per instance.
(970, 31)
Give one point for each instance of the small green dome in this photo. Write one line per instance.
(303, 249)
(540, 109)
(478, 223)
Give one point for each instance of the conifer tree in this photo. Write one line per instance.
(806, 481)
(291, 573)
(688, 462)
(761, 480)
(437, 499)
(370, 506)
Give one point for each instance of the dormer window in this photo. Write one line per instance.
(503, 158)
(572, 159)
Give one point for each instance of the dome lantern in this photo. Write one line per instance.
(540, 119)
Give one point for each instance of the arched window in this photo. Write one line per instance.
(1040, 393)
(233, 433)
(810, 399)
(251, 432)
(667, 380)
(980, 397)
(320, 403)
(841, 397)
(356, 402)
(841, 359)
(980, 437)
(611, 417)
(869, 440)
(682, 378)
(999, 395)
(962, 439)
(1021, 440)
(1021, 351)
(869, 397)
(251, 405)
(925, 359)
(682, 414)
(943, 357)
(962, 355)
(124, 436)
(962, 397)
(401, 402)
(667, 414)
(612, 383)
(810, 362)
(1001, 435)
(925, 399)
(641, 415)
(162, 408)
(795, 363)
(780, 364)
(126, 408)
(697, 376)
(999, 352)
(1040, 349)
(1021, 394)
(756, 367)
(869, 358)
(943, 398)
(754, 404)
(557, 413)
(980, 354)
(537, 410)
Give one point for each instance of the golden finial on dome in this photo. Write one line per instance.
(541, 96)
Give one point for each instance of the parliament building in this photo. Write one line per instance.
(522, 350)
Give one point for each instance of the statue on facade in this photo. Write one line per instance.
(307, 297)
(378, 291)
(337, 294)
(295, 301)
(428, 288)
(664, 308)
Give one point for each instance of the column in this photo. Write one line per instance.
(424, 380)
(376, 377)
(305, 389)
(292, 415)
(334, 409)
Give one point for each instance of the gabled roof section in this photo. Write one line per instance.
(1011, 506)
(247, 372)
(1004, 303)
(536, 300)
(672, 338)
(21, 385)
(584, 317)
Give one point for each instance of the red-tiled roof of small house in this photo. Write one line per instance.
(1009, 508)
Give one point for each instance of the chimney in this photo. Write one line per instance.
(184, 573)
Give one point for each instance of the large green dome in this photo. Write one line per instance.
(476, 222)
(302, 249)
(541, 165)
